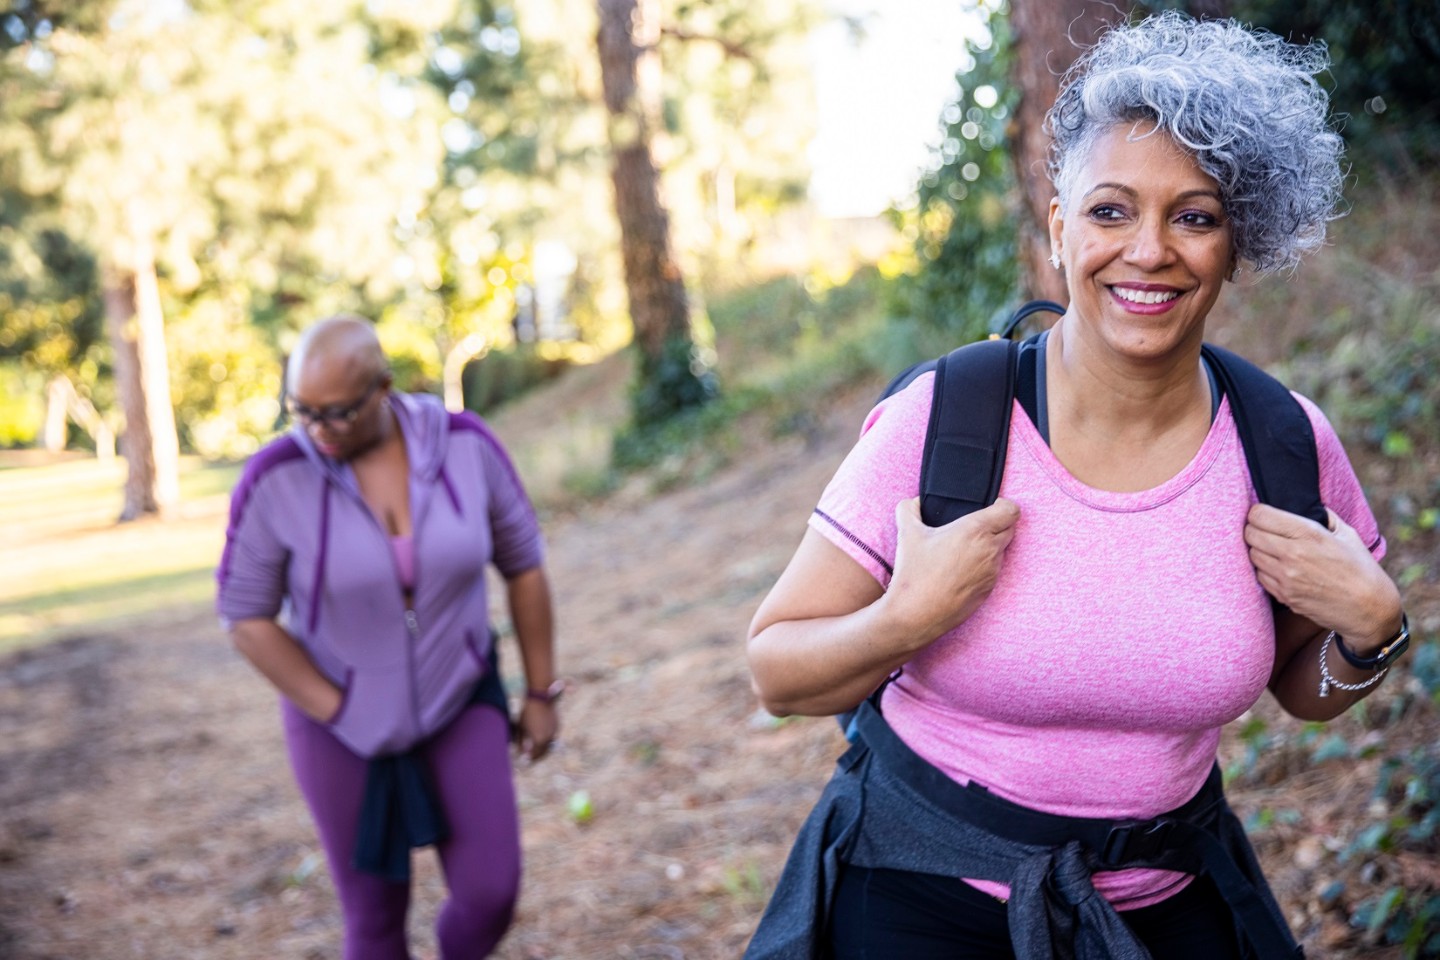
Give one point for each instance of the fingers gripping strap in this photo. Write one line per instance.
(1276, 434)
(965, 445)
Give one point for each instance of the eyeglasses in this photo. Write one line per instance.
(339, 419)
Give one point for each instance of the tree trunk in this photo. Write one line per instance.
(142, 380)
(1047, 36)
(672, 375)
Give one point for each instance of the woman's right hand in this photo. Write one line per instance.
(828, 634)
(942, 574)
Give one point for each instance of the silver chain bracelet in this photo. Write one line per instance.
(1327, 681)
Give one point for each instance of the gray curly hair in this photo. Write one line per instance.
(1244, 102)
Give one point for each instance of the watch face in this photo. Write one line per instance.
(1392, 652)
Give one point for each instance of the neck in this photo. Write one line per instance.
(1096, 390)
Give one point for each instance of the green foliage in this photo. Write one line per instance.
(21, 411)
(963, 224)
(1385, 66)
(681, 379)
(503, 375)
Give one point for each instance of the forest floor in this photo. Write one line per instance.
(146, 809)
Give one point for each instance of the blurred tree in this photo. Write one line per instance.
(1047, 36)
(710, 98)
(968, 209)
(412, 160)
(673, 372)
(103, 171)
(226, 163)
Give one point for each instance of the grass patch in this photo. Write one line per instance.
(70, 568)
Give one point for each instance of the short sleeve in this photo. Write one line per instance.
(1340, 489)
(518, 545)
(857, 510)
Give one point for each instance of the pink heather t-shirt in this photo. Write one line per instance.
(1124, 630)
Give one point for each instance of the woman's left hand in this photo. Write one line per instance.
(1325, 575)
(537, 729)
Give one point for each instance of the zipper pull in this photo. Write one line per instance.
(412, 624)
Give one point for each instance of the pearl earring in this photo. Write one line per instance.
(1055, 260)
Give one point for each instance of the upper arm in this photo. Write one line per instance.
(251, 576)
(515, 530)
(1292, 634)
(821, 580)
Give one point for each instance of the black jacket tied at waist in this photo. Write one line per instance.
(400, 808)
(886, 807)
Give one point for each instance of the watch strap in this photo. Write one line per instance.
(548, 695)
(1392, 649)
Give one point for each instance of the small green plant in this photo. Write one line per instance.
(744, 883)
(580, 808)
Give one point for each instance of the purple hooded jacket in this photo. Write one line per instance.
(303, 548)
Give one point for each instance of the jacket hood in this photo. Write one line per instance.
(424, 423)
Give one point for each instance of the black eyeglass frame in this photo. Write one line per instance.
(336, 418)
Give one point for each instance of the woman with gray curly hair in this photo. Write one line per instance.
(1042, 683)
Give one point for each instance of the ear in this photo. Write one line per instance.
(1057, 227)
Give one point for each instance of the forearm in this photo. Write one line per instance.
(1296, 683)
(532, 613)
(282, 661)
(826, 665)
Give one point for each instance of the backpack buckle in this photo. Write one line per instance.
(1136, 841)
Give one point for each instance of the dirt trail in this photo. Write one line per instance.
(146, 810)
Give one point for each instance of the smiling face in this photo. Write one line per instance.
(1145, 244)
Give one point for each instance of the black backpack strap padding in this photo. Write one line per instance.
(969, 429)
(1276, 434)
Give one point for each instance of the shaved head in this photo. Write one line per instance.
(342, 350)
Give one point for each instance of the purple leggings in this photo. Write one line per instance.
(469, 762)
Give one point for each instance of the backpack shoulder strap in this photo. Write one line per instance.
(969, 428)
(1276, 434)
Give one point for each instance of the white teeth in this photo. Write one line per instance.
(1144, 296)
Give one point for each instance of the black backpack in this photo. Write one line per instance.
(974, 393)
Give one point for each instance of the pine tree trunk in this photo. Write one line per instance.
(135, 443)
(1047, 35)
(671, 376)
(155, 374)
(142, 381)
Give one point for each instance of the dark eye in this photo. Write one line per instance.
(1199, 218)
(1105, 212)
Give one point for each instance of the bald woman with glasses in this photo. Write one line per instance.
(353, 579)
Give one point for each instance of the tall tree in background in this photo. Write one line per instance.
(1046, 37)
(121, 175)
(673, 374)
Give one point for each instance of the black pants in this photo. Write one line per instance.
(885, 914)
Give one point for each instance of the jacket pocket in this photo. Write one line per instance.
(374, 718)
(345, 689)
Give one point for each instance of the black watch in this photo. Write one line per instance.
(1388, 654)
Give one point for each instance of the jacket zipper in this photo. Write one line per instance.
(412, 627)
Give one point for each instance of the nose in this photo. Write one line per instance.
(319, 430)
(1149, 246)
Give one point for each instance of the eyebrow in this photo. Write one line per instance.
(1130, 191)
